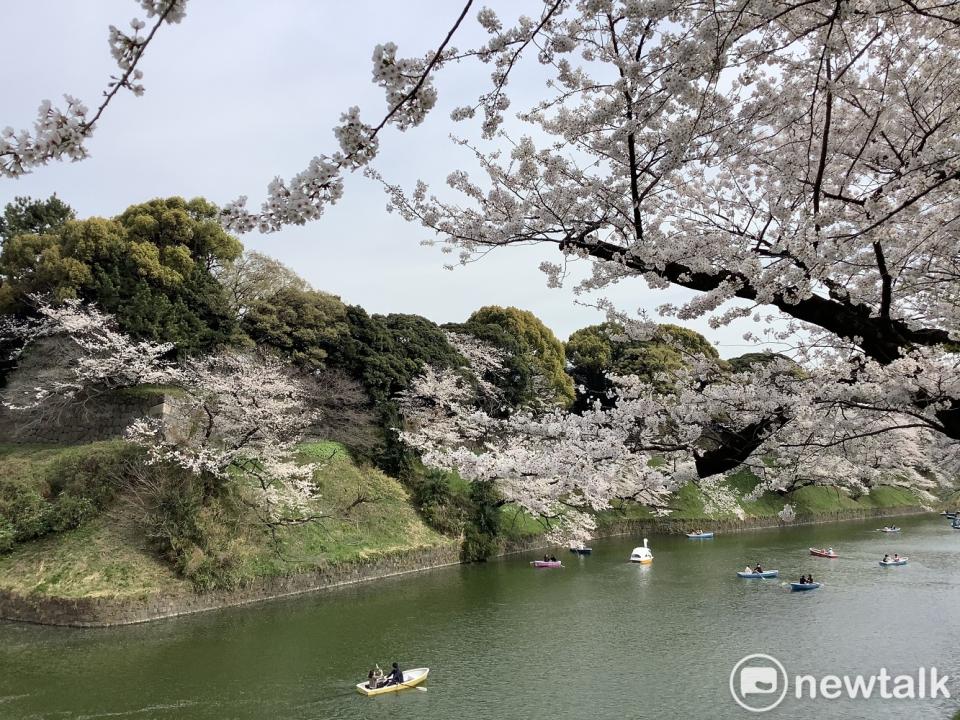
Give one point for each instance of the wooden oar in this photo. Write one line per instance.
(414, 687)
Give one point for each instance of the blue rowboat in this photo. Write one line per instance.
(700, 536)
(800, 587)
(890, 529)
(758, 576)
(893, 563)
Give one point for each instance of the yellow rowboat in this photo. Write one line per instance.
(411, 678)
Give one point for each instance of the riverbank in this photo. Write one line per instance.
(105, 611)
(105, 570)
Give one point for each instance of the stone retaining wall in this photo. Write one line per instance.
(676, 526)
(103, 418)
(105, 611)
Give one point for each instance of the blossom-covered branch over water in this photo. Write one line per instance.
(797, 164)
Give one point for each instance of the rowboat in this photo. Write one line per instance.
(823, 553)
(948, 514)
(801, 587)
(892, 563)
(700, 536)
(890, 529)
(547, 564)
(581, 550)
(411, 678)
(642, 555)
(758, 576)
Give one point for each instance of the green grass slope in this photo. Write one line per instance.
(108, 554)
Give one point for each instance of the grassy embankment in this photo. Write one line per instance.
(76, 536)
(109, 555)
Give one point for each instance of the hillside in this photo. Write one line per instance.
(110, 556)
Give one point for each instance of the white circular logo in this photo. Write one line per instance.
(758, 678)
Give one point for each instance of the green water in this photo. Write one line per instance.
(599, 639)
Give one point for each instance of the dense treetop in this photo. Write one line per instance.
(152, 267)
(535, 355)
(26, 216)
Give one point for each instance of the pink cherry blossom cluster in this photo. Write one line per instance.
(60, 134)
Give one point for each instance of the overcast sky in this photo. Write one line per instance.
(242, 91)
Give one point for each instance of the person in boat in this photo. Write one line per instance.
(546, 558)
(803, 580)
(371, 680)
(829, 551)
(809, 579)
(377, 676)
(747, 570)
(553, 559)
(886, 558)
(395, 677)
(758, 568)
(896, 557)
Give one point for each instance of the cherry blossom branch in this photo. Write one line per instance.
(58, 134)
(321, 184)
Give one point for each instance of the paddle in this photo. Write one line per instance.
(414, 687)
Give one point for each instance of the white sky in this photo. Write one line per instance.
(242, 91)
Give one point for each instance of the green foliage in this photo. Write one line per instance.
(385, 352)
(26, 216)
(254, 277)
(443, 500)
(535, 355)
(50, 490)
(151, 267)
(482, 533)
(597, 350)
(742, 363)
(304, 325)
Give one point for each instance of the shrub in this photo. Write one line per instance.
(47, 491)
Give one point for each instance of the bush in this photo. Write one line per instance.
(481, 537)
(192, 528)
(442, 504)
(47, 491)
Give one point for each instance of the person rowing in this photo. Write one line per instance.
(395, 677)
(758, 569)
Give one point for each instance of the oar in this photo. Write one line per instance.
(414, 687)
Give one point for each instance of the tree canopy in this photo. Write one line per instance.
(152, 267)
(26, 216)
(535, 355)
(598, 350)
(254, 277)
(305, 325)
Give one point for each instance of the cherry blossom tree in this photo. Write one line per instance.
(565, 466)
(93, 355)
(240, 417)
(796, 163)
(236, 417)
